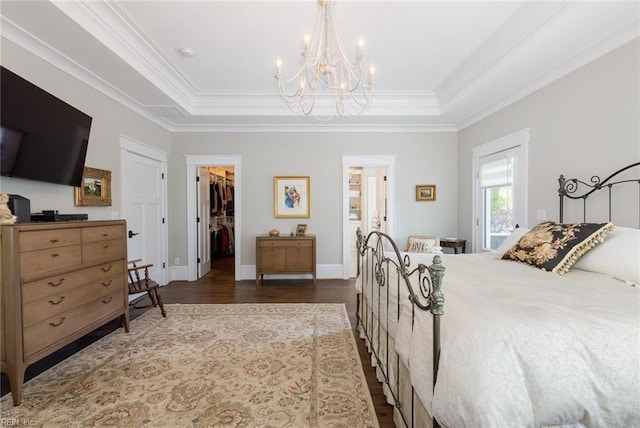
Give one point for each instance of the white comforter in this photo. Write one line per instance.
(526, 348)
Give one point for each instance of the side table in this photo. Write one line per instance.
(458, 245)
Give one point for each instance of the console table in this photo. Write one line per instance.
(285, 255)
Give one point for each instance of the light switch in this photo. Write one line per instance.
(541, 214)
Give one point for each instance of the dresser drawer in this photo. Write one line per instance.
(102, 233)
(283, 243)
(41, 239)
(38, 261)
(99, 250)
(102, 275)
(53, 329)
(47, 307)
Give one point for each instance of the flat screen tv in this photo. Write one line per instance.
(41, 137)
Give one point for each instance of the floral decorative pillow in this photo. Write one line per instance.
(555, 247)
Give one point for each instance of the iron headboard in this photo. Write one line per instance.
(570, 186)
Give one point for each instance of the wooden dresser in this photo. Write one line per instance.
(60, 281)
(285, 255)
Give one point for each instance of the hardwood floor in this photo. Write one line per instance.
(219, 287)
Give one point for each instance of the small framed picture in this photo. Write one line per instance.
(301, 229)
(291, 197)
(95, 188)
(426, 192)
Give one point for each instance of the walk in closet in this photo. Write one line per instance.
(221, 224)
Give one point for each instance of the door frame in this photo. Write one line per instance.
(192, 163)
(349, 161)
(129, 145)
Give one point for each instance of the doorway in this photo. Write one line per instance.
(367, 201)
(216, 219)
(194, 232)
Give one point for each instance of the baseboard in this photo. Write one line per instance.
(178, 273)
(322, 272)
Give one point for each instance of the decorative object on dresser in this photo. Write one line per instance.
(274, 232)
(291, 197)
(6, 216)
(285, 255)
(139, 282)
(95, 188)
(426, 192)
(60, 281)
(301, 230)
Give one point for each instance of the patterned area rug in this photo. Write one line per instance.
(250, 365)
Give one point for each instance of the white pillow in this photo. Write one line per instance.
(618, 256)
(417, 244)
(511, 240)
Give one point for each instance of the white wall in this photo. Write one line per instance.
(421, 158)
(587, 123)
(110, 120)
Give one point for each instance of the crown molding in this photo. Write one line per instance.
(109, 23)
(529, 19)
(269, 103)
(614, 41)
(18, 35)
(288, 128)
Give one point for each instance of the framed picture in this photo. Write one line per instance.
(426, 192)
(95, 188)
(291, 197)
(301, 229)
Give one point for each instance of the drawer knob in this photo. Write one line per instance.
(105, 301)
(52, 324)
(58, 302)
(105, 246)
(54, 241)
(55, 254)
(56, 284)
(106, 284)
(106, 269)
(105, 235)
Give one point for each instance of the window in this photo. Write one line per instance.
(500, 189)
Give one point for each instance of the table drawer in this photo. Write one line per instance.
(102, 274)
(102, 233)
(47, 307)
(283, 243)
(38, 261)
(99, 250)
(56, 328)
(41, 239)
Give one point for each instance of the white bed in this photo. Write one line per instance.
(520, 346)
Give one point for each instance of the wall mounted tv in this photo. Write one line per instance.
(41, 137)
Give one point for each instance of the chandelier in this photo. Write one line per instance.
(328, 84)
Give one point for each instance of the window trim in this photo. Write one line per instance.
(519, 139)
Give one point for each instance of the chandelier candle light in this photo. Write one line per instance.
(328, 84)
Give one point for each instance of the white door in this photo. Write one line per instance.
(204, 213)
(143, 195)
